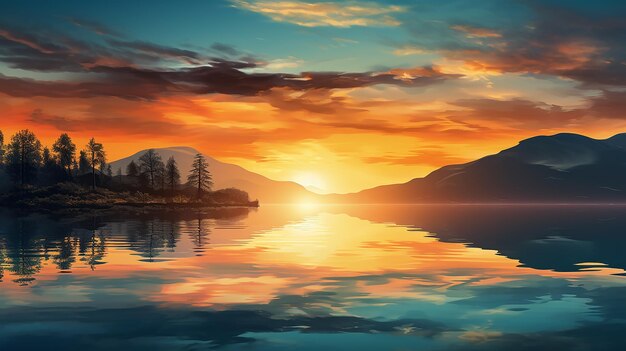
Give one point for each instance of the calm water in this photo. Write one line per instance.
(316, 278)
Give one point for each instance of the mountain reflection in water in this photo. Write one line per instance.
(284, 278)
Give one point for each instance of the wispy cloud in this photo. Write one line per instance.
(95, 27)
(477, 32)
(324, 14)
(409, 50)
(20, 39)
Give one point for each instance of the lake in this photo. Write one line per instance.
(316, 278)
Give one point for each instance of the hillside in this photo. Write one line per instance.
(559, 168)
(226, 175)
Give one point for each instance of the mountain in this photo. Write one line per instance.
(559, 168)
(226, 175)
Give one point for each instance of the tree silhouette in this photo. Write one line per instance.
(172, 174)
(21, 246)
(66, 255)
(83, 163)
(200, 236)
(1, 148)
(46, 155)
(118, 175)
(65, 151)
(51, 171)
(97, 250)
(150, 163)
(151, 239)
(160, 176)
(96, 156)
(199, 176)
(132, 170)
(24, 157)
(2, 255)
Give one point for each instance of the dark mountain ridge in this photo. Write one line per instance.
(559, 168)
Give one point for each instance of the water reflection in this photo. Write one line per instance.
(279, 278)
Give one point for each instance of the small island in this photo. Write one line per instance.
(33, 176)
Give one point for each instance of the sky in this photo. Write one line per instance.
(338, 96)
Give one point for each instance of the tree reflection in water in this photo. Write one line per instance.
(29, 242)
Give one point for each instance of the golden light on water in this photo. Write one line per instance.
(255, 264)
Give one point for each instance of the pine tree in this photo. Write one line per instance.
(172, 174)
(65, 151)
(1, 148)
(132, 170)
(24, 157)
(199, 176)
(151, 164)
(83, 163)
(96, 156)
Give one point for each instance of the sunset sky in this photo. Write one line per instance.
(336, 95)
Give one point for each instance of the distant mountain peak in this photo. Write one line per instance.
(225, 175)
(561, 151)
(180, 148)
(564, 167)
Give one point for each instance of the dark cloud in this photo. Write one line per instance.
(142, 70)
(124, 84)
(611, 104)
(160, 51)
(225, 49)
(220, 76)
(321, 101)
(562, 38)
(519, 113)
(128, 123)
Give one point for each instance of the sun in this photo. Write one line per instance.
(312, 181)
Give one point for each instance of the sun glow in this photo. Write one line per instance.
(312, 181)
(307, 205)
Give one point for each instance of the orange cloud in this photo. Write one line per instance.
(432, 156)
(331, 133)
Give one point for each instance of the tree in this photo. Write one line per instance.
(119, 175)
(172, 174)
(65, 151)
(1, 148)
(51, 171)
(46, 156)
(132, 170)
(160, 176)
(103, 167)
(24, 157)
(199, 176)
(74, 168)
(83, 163)
(150, 163)
(96, 156)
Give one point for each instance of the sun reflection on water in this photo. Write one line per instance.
(308, 261)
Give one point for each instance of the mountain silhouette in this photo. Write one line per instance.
(559, 168)
(226, 175)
